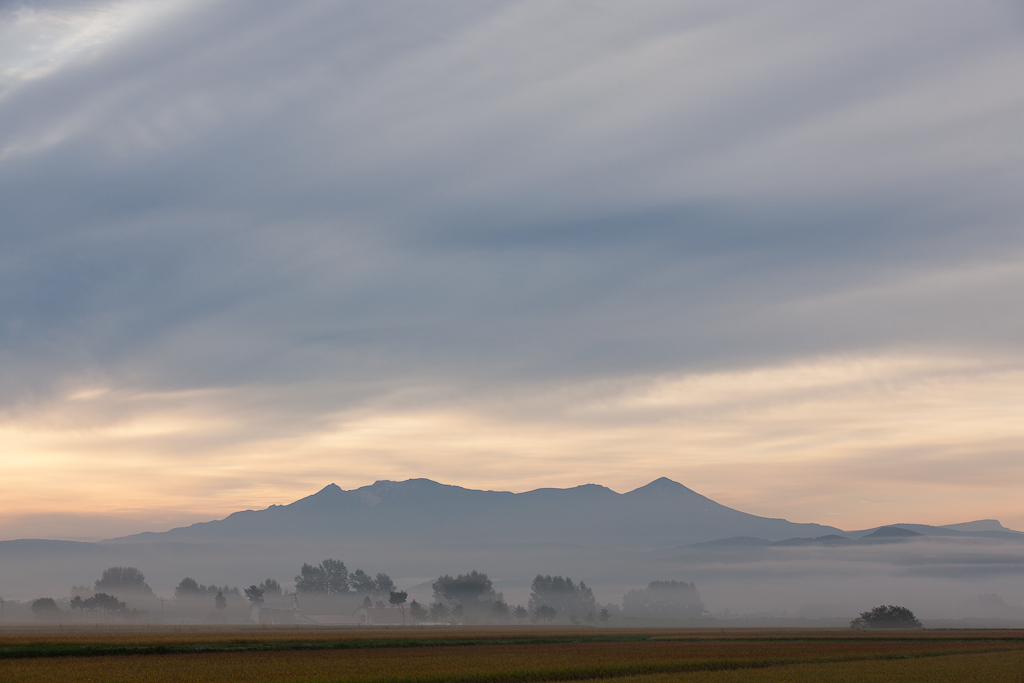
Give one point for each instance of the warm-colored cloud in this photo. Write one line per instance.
(852, 441)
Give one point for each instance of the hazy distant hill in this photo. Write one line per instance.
(661, 514)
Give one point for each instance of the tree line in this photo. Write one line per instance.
(463, 598)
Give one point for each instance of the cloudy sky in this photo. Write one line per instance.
(772, 251)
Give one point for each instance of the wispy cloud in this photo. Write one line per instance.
(354, 240)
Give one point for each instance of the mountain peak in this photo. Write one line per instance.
(663, 485)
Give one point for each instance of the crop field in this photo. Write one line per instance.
(526, 654)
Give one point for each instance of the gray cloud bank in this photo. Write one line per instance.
(353, 197)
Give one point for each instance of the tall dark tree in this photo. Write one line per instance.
(383, 584)
(310, 579)
(123, 579)
(255, 594)
(560, 593)
(418, 612)
(336, 576)
(520, 613)
(330, 576)
(271, 588)
(188, 588)
(361, 582)
(465, 589)
(220, 602)
(398, 598)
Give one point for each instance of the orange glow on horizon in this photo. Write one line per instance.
(852, 442)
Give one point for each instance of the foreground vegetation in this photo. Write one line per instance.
(510, 654)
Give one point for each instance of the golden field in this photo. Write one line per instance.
(508, 654)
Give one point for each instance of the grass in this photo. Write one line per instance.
(509, 655)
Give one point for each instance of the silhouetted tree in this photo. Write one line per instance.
(361, 582)
(464, 589)
(398, 598)
(603, 616)
(417, 612)
(367, 602)
(561, 594)
(271, 588)
(336, 575)
(886, 616)
(220, 602)
(105, 602)
(330, 576)
(188, 588)
(123, 579)
(520, 613)
(45, 608)
(255, 594)
(383, 584)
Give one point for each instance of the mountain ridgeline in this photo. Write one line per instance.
(661, 514)
(616, 542)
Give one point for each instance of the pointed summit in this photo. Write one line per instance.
(662, 486)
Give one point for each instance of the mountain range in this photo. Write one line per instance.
(418, 529)
(661, 514)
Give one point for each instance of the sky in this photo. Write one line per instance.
(774, 252)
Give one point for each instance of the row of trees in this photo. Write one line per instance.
(331, 577)
(464, 598)
(190, 589)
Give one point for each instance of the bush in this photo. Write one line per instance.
(886, 616)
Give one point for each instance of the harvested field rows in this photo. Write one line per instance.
(490, 655)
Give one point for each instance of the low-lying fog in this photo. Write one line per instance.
(938, 578)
